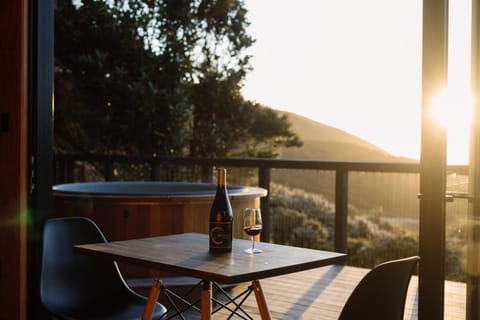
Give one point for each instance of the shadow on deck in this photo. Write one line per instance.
(320, 294)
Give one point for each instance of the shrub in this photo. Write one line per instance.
(307, 220)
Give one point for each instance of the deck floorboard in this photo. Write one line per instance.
(320, 294)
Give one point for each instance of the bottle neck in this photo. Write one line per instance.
(222, 178)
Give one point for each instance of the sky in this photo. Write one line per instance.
(354, 65)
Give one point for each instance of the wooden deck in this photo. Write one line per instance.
(320, 294)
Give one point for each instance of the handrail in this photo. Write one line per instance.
(264, 166)
(412, 167)
(367, 166)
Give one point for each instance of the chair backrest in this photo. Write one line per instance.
(381, 294)
(75, 282)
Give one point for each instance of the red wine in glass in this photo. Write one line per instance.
(253, 230)
(252, 226)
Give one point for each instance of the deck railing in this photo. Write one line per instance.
(65, 167)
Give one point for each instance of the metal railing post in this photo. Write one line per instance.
(207, 173)
(60, 170)
(108, 171)
(155, 171)
(69, 170)
(341, 210)
(264, 182)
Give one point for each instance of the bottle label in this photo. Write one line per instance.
(221, 235)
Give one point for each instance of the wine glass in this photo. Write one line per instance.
(252, 225)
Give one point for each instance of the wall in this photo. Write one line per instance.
(13, 155)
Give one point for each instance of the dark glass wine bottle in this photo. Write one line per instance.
(221, 217)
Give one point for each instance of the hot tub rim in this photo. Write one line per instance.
(234, 190)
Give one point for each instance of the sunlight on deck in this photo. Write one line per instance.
(320, 294)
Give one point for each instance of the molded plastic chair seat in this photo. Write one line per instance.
(381, 294)
(75, 286)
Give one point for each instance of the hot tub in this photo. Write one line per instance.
(127, 210)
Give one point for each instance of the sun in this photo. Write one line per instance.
(453, 109)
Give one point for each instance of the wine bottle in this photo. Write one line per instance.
(221, 217)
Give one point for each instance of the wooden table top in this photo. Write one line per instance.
(188, 255)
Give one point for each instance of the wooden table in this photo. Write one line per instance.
(188, 255)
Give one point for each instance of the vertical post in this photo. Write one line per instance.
(155, 171)
(473, 231)
(433, 163)
(69, 170)
(264, 182)
(207, 173)
(40, 135)
(108, 173)
(60, 170)
(341, 210)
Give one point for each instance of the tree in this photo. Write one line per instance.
(158, 77)
(225, 124)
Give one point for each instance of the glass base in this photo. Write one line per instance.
(252, 250)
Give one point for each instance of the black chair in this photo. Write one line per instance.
(75, 286)
(381, 294)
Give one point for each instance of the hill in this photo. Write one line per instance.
(324, 142)
(366, 191)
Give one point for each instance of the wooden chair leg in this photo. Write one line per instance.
(152, 299)
(206, 301)
(261, 302)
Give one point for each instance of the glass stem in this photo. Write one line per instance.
(253, 243)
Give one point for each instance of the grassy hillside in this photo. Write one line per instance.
(383, 207)
(394, 194)
(323, 142)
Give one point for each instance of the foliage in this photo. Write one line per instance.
(304, 232)
(158, 77)
(303, 219)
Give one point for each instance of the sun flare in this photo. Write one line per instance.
(453, 109)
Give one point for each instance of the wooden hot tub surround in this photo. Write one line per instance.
(129, 210)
